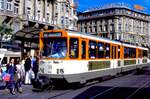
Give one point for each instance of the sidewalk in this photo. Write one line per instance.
(27, 89)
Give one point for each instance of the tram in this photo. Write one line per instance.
(6, 56)
(76, 57)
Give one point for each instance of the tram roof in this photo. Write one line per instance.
(93, 37)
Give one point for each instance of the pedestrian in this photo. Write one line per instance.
(33, 59)
(20, 75)
(35, 67)
(27, 67)
(0, 66)
(0, 62)
(11, 69)
(0, 73)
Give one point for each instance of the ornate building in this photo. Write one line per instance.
(117, 22)
(28, 17)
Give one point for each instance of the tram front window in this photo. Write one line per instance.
(54, 48)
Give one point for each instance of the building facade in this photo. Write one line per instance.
(57, 13)
(117, 22)
(28, 17)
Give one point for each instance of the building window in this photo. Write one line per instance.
(62, 20)
(9, 6)
(48, 4)
(105, 28)
(101, 28)
(120, 28)
(39, 1)
(16, 9)
(28, 10)
(38, 14)
(95, 29)
(48, 17)
(1, 4)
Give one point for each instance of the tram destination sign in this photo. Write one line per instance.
(52, 34)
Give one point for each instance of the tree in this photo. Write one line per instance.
(6, 33)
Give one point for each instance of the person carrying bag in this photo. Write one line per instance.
(9, 77)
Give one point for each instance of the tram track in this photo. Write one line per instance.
(129, 95)
(115, 89)
(105, 90)
(136, 91)
(85, 87)
(128, 86)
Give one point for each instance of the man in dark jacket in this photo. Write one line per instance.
(27, 67)
(35, 67)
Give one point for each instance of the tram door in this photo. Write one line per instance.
(83, 49)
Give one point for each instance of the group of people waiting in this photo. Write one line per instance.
(16, 74)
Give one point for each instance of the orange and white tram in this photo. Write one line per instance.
(78, 57)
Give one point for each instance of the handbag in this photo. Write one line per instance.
(16, 77)
(6, 77)
(1, 76)
(31, 74)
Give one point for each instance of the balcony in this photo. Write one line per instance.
(17, 1)
(7, 9)
(35, 19)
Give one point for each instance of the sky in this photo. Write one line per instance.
(85, 4)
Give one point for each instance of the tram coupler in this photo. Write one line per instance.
(42, 83)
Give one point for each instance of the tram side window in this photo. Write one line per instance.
(4, 61)
(107, 46)
(118, 52)
(145, 53)
(92, 49)
(83, 49)
(140, 53)
(126, 52)
(101, 50)
(129, 52)
(132, 53)
(74, 47)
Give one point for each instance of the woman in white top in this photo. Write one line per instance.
(20, 75)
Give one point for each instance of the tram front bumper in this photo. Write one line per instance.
(51, 76)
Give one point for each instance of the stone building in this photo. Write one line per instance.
(28, 17)
(117, 22)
